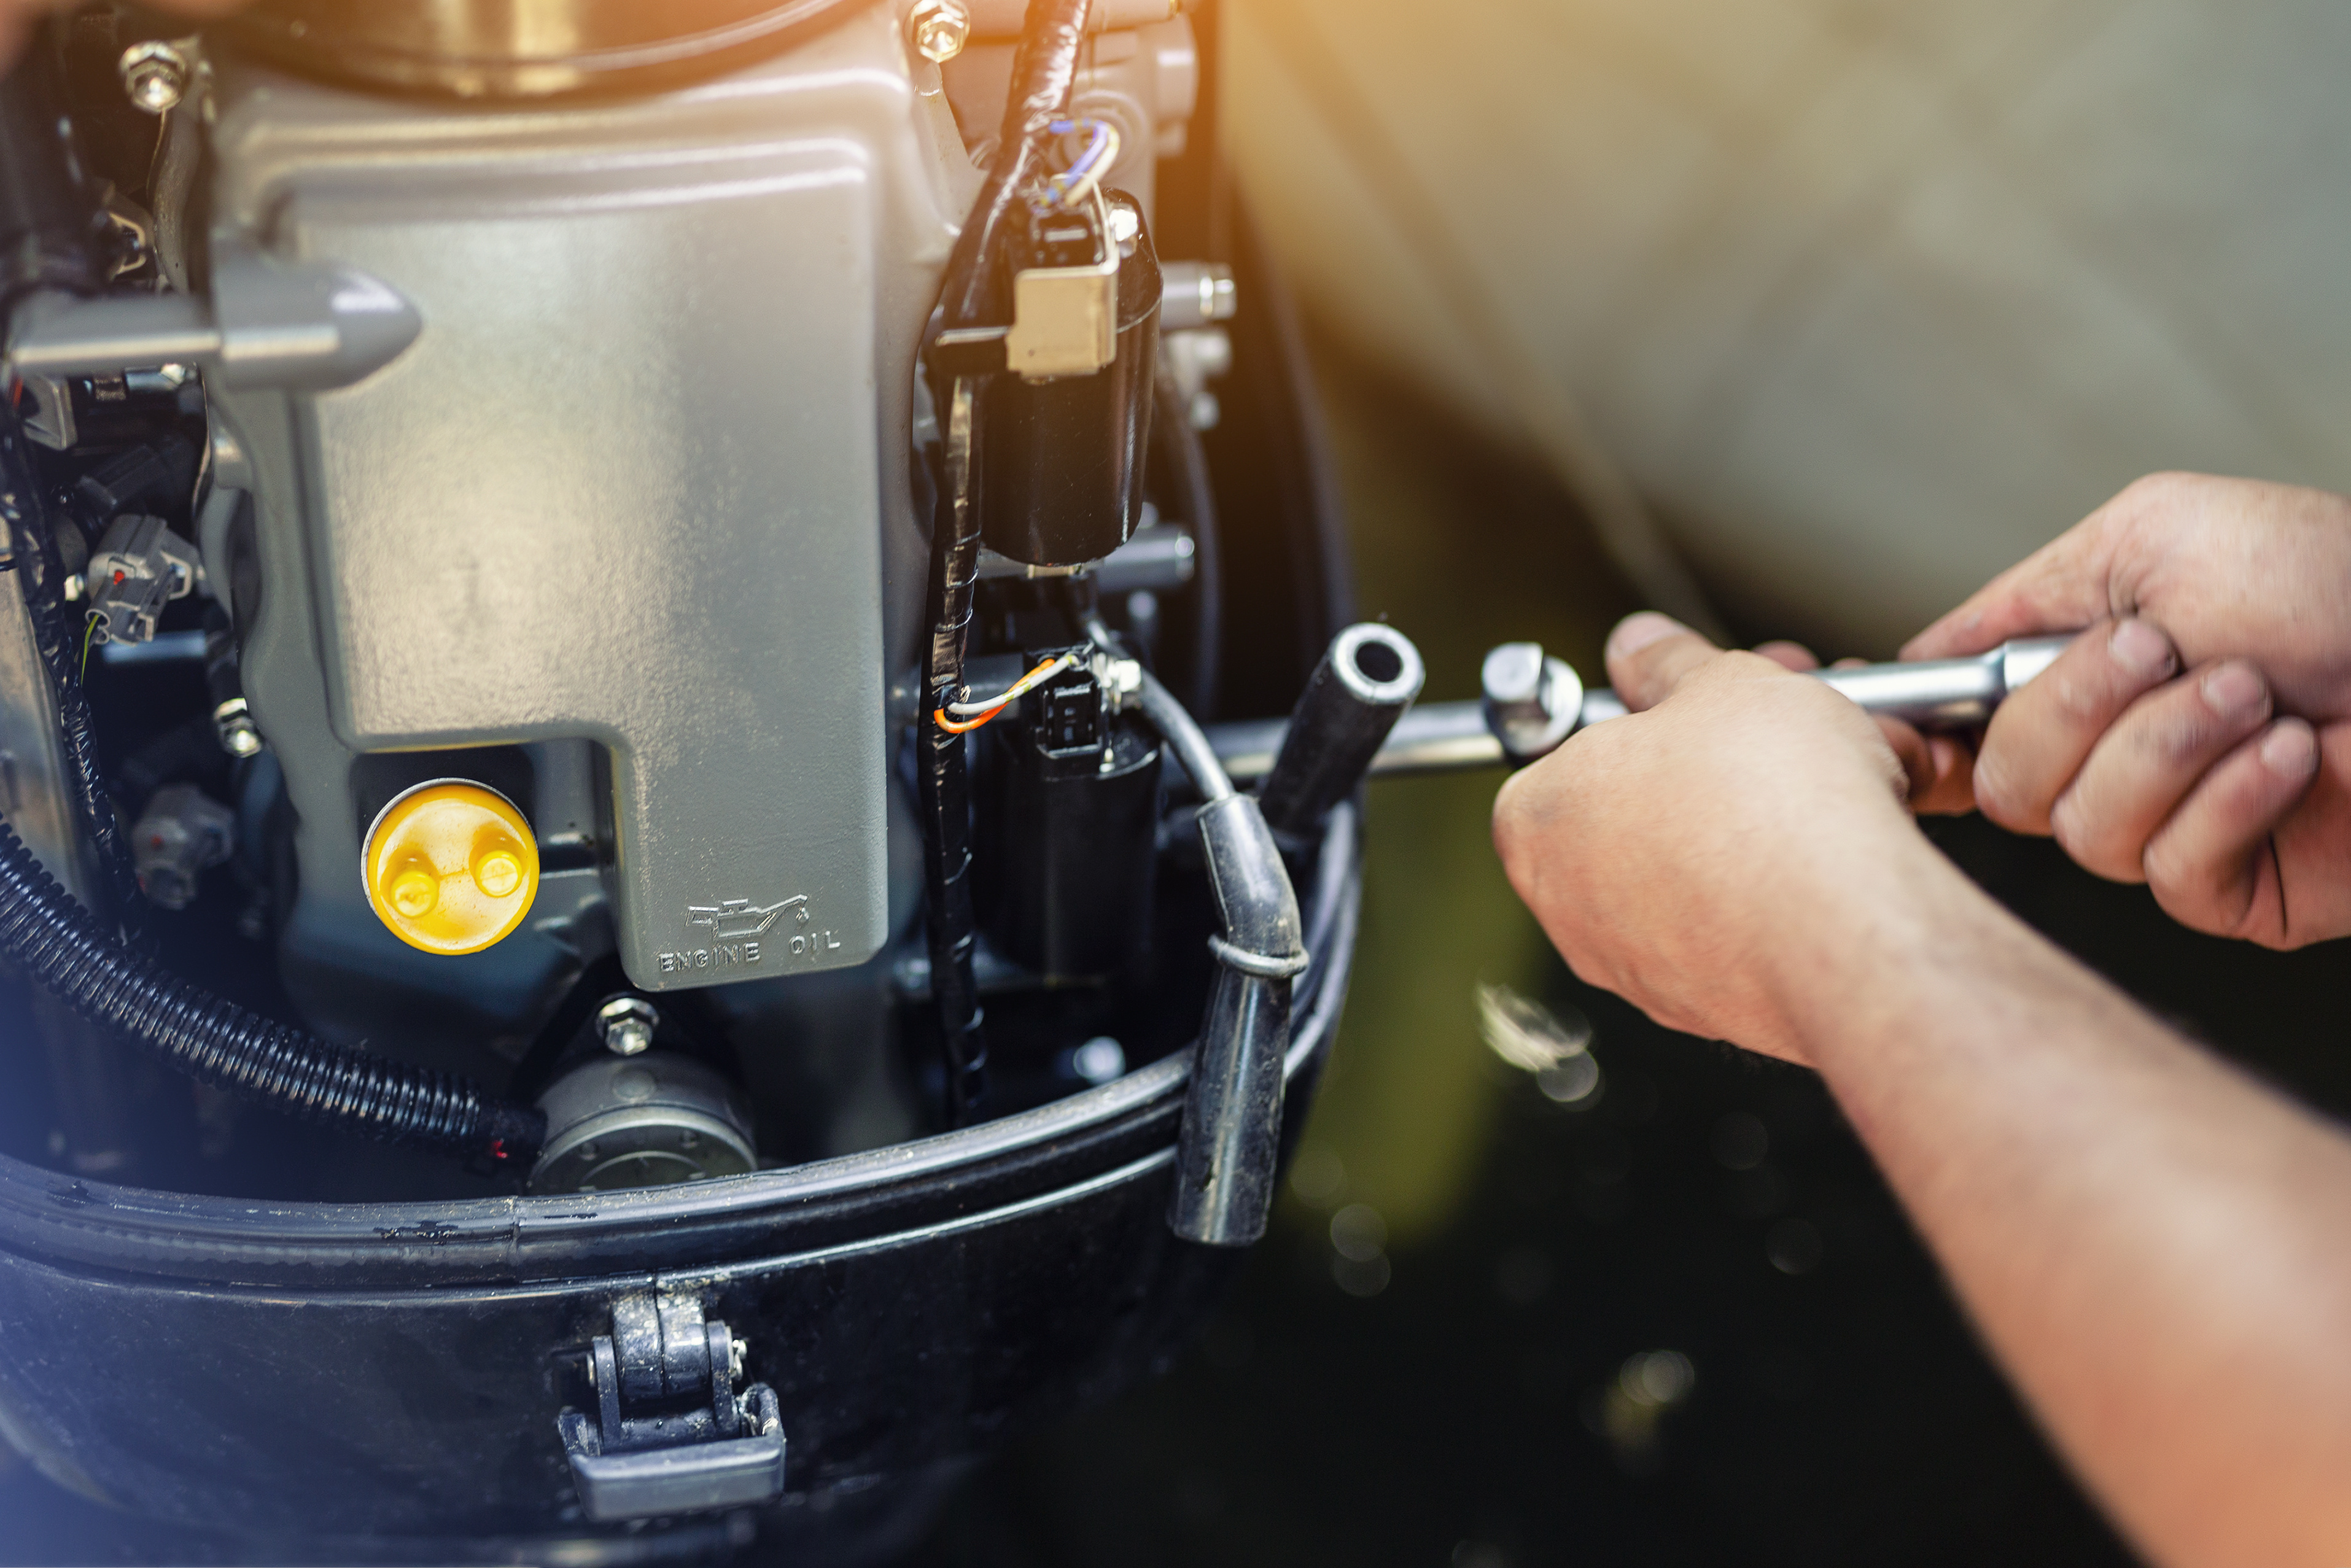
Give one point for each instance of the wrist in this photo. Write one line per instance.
(1883, 922)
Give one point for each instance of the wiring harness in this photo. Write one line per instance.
(1043, 72)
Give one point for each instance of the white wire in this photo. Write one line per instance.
(1073, 191)
(1025, 683)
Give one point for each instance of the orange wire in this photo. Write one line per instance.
(965, 727)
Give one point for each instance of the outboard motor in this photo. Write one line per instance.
(621, 924)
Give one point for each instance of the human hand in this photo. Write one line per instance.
(1692, 856)
(2197, 736)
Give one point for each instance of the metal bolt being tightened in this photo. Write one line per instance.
(155, 76)
(626, 1024)
(1532, 702)
(940, 28)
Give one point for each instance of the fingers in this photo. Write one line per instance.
(2144, 778)
(1649, 654)
(1790, 657)
(2211, 866)
(2040, 736)
(2103, 565)
(1953, 792)
(2084, 575)
(2059, 587)
(2144, 766)
(1940, 770)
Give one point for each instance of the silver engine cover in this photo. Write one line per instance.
(640, 484)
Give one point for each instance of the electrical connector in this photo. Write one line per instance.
(139, 567)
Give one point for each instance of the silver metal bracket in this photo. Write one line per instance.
(1158, 557)
(671, 1435)
(297, 325)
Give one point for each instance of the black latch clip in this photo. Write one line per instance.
(671, 1434)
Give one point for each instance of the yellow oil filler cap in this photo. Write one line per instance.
(450, 867)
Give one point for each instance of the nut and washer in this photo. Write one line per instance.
(625, 1025)
(233, 722)
(155, 75)
(940, 28)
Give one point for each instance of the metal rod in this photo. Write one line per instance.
(1443, 738)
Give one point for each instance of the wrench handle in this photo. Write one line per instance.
(1932, 694)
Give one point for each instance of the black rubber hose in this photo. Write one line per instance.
(44, 930)
(1368, 676)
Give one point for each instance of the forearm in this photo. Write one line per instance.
(2158, 1249)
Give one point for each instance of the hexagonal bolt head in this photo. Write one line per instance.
(239, 736)
(940, 30)
(155, 76)
(1513, 682)
(625, 1025)
(1533, 703)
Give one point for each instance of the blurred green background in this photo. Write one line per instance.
(1462, 546)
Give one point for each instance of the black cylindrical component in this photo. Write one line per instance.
(1062, 469)
(1368, 676)
(232, 716)
(943, 782)
(1072, 815)
(222, 681)
(45, 932)
(51, 220)
(1231, 1138)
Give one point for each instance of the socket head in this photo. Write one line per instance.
(1513, 677)
(1533, 703)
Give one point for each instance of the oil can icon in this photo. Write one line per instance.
(733, 919)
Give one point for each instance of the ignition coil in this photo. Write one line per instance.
(1067, 865)
(1066, 423)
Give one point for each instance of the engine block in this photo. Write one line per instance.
(635, 501)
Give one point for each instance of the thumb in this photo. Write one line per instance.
(2061, 587)
(1649, 654)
